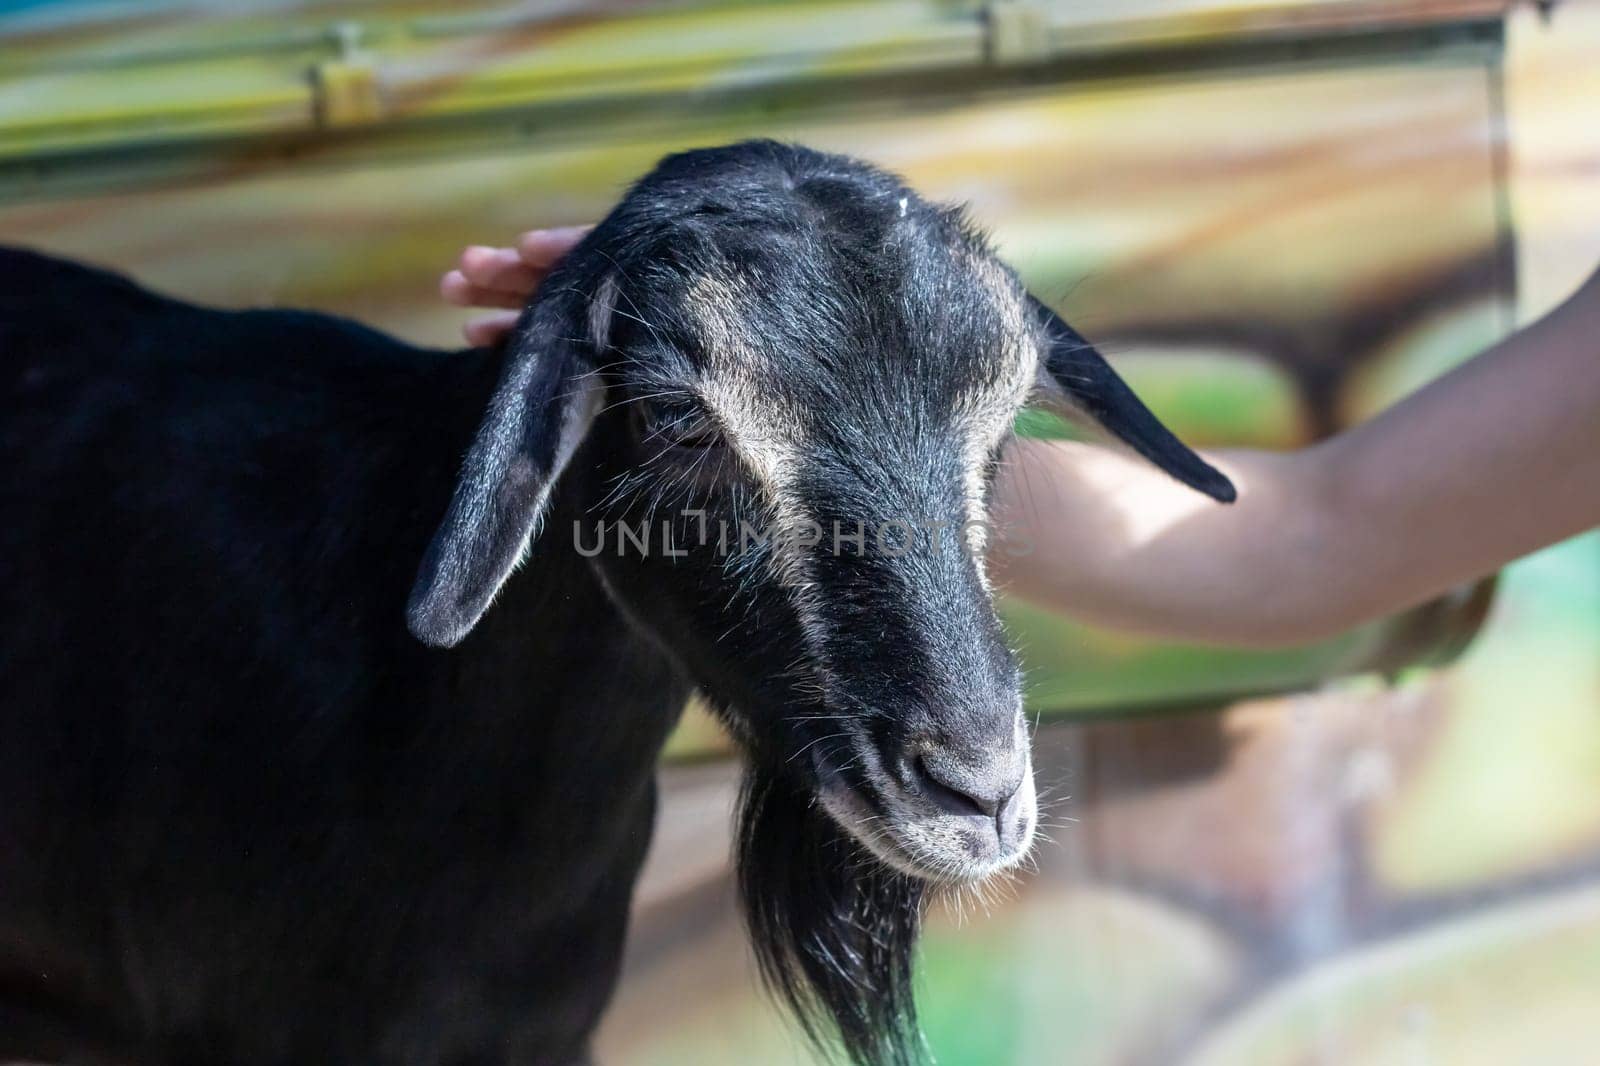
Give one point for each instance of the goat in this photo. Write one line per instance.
(277, 785)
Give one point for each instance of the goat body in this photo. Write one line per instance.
(245, 817)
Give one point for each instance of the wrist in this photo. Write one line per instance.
(1329, 570)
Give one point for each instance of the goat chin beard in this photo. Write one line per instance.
(832, 926)
(834, 910)
(832, 921)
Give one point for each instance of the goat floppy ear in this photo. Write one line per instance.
(1079, 381)
(542, 408)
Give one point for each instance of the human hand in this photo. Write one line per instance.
(504, 278)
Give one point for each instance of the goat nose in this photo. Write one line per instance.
(968, 785)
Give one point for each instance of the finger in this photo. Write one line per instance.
(541, 248)
(498, 270)
(456, 289)
(489, 330)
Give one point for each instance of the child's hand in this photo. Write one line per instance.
(504, 278)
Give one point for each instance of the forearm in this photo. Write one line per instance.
(1105, 537)
(1494, 460)
(1490, 462)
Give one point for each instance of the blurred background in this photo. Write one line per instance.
(1276, 216)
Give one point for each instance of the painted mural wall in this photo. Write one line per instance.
(1276, 218)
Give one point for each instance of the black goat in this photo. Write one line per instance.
(247, 817)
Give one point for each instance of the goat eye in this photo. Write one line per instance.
(674, 425)
(701, 439)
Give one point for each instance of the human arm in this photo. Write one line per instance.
(1492, 461)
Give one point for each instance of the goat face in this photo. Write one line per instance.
(784, 382)
(815, 413)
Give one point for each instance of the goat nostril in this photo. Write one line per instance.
(958, 797)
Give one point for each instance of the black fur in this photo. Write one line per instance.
(246, 817)
(834, 931)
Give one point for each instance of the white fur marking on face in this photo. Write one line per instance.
(765, 436)
(991, 413)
